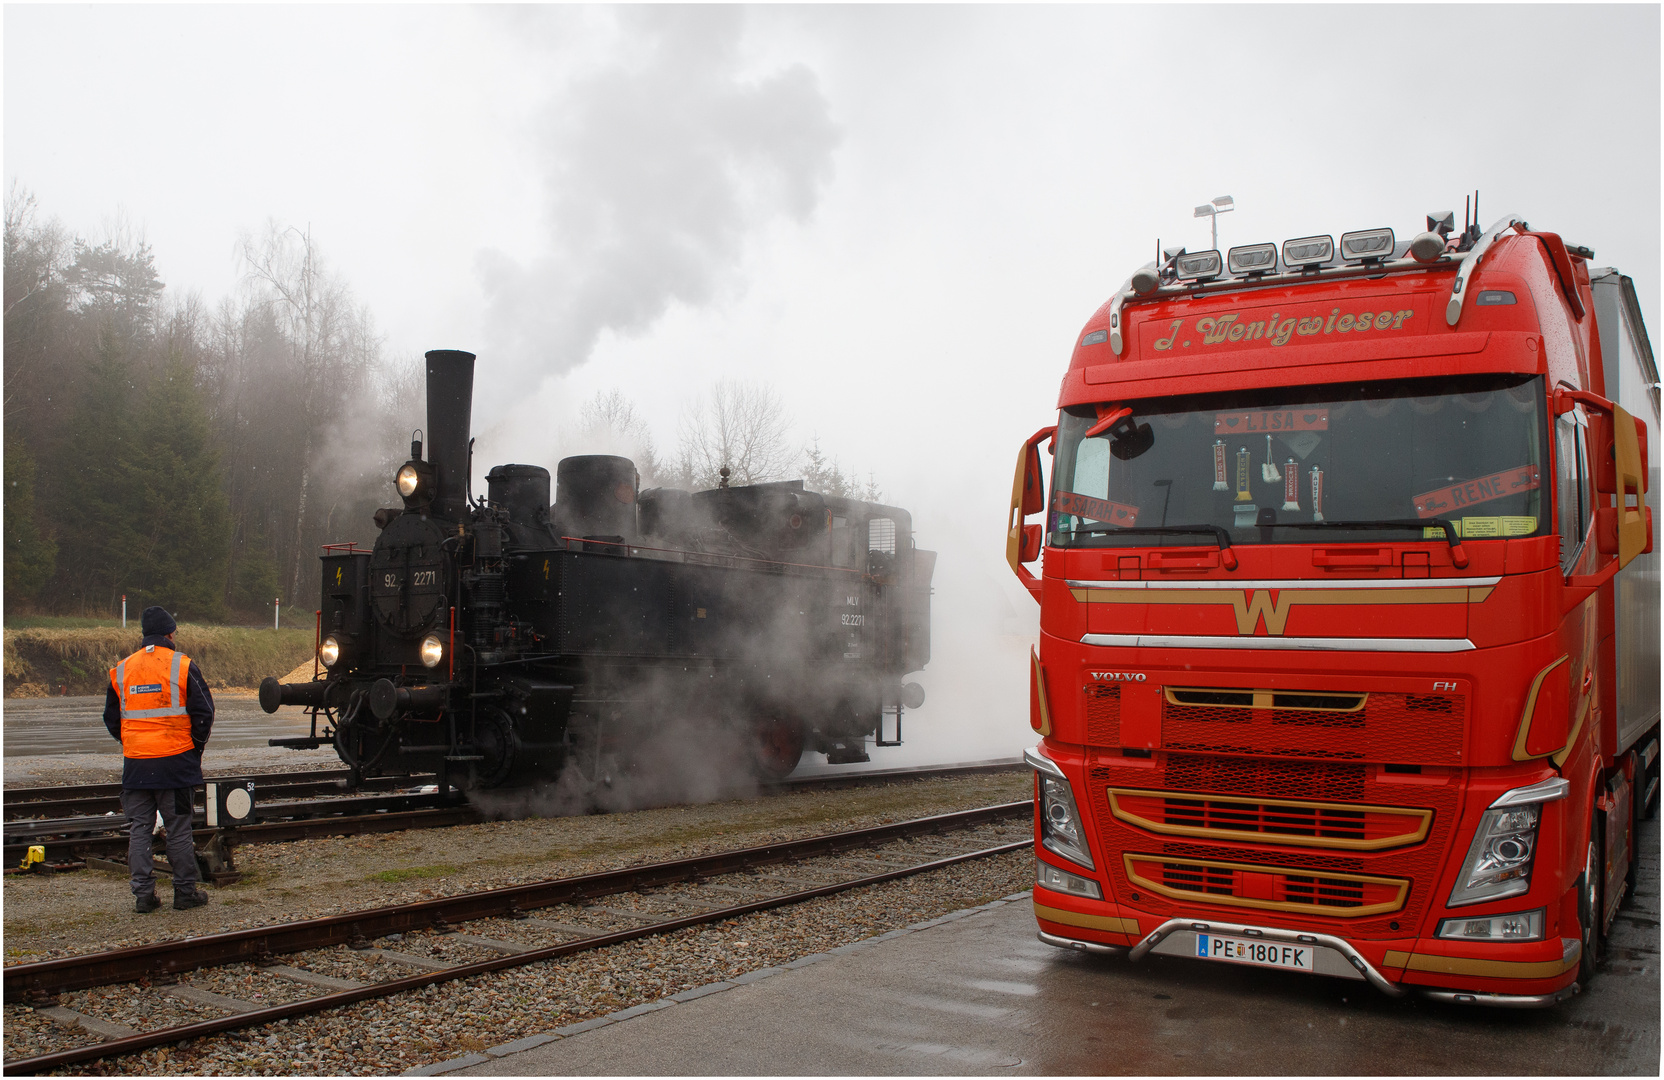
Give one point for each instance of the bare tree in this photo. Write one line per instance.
(331, 344)
(609, 423)
(37, 254)
(742, 426)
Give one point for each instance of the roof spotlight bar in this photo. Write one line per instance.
(1368, 253)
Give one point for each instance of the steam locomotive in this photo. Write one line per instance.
(503, 642)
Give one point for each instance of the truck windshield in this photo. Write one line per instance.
(1265, 465)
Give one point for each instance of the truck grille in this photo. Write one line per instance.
(1294, 824)
(1298, 823)
(1407, 728)
(1269, 887)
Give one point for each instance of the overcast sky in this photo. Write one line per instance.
(899, 216)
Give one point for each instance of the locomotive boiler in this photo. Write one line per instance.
(514, 639)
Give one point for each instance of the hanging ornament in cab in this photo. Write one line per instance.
(1268, 471)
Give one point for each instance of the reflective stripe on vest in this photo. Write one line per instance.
(152, 692)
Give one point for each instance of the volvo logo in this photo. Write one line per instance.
(1117, 676)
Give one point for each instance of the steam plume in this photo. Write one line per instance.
(658, 168)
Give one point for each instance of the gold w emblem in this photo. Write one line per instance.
(1252, 607)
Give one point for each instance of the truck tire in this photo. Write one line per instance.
(1589, 903)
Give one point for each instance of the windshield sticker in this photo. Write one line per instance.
(1480, 528)
(1239, 423)
(1484, 489)
(1112, 513)
(1245, 327)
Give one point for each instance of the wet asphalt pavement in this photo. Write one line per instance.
(982, 996)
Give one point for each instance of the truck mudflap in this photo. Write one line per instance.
(1313, 953)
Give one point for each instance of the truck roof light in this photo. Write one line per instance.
(1369, 245)
(1427, 247)
(1308, 251)
(1202, 264)
(1252, 259)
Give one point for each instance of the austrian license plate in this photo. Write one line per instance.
(1275, 954)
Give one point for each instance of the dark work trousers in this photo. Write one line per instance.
(140, 806)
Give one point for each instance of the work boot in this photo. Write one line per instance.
(144, 903)
(184, 901)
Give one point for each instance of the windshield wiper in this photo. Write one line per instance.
(1457, 555)
(1227, 557)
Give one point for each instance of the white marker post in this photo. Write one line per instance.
(124, 611)
(276, 601)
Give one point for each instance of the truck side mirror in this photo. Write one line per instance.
(1619, 466)
(1028, 496)
(1034, 489)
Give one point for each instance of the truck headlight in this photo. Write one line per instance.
(433, 651)
(1060, 825)
(1500, 858)
(330, 651)
(1048, 876)
(1524, 926)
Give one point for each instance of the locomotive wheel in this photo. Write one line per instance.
(497, 742)
(776, 747)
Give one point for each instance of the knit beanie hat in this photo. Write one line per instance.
(156, 622)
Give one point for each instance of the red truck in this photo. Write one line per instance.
(1349, 654)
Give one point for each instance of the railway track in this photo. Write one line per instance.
(550, 919)
(75, 800)
(97, 831)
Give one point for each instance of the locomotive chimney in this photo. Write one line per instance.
(450, 405)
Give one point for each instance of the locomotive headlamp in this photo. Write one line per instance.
(1252, 259)
(433, 651)
(1370, 245)
(330, 651)
(1500, 857)
(1203, 264)
(416, 482)
(1308, 251)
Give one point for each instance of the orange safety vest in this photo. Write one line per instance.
(151, 687)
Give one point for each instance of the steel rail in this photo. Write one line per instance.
(273, 832)
(132, 1044)
(72, 838)
(276, 811)
(257, 943)
(300, 776)
(67, 800)
(71, 800)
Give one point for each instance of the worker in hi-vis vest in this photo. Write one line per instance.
(159, 706)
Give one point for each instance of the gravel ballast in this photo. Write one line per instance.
(64, 914)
